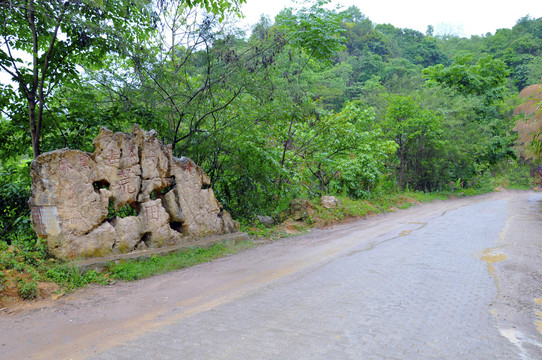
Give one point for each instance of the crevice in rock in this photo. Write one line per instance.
(100, 184)
(206, 186)
(144, 243)
(95, 226)
(169, 187)
(111, 212)
(154, 188)
(222, 223)
(177, 197)
(179, 227)
(140, 158)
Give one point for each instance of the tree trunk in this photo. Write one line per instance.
(35, 122)
(34, 128)
(402, 160)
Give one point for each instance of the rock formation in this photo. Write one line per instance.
(130, 194)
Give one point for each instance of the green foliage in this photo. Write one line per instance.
(412, 45)
(508, 174)
(28, 289)
(417, 133)
(23, 256)
(2, 281)
(122, 212)
(479, 136)
(345, 151)
(14, 193)
(486, 78)
(314, 29)
(241, 187)
(217, 7)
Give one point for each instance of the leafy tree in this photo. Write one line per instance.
(58, 36)
(417, 133)
(412, 45)
(345, 151)
(314, 34)
(314, 29)
(482, 85)
(486, 78)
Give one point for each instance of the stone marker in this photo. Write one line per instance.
(130, 194)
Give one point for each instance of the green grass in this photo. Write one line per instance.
(72, 277)
(138, 269)
(257, 230)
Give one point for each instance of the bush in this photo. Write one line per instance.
(28, 289)
(508, 175)
(2, 280)
(14, 192)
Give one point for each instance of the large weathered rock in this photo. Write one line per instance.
(192, 203)
(265, 220)
(329, 202)
(130, 194)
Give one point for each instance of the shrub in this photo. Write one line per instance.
(28, 289)
(2, 280)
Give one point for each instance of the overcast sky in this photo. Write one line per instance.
(462, 17)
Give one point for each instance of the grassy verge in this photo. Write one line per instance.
(143, 268)
(28, 274)
(304, 214)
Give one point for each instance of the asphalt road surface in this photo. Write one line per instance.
(458, 279)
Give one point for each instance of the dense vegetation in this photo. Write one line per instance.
(316, 101)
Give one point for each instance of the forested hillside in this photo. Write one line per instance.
(313, 102)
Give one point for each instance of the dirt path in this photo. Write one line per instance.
(98, 319)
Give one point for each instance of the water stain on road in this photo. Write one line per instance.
(490, 259)
(538, 323)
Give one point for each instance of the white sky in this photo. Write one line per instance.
(463, 17)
